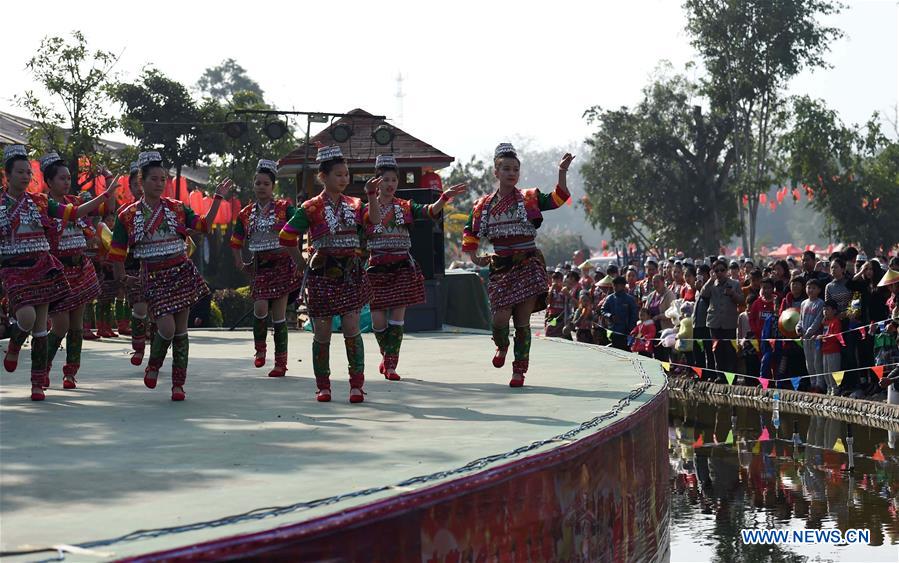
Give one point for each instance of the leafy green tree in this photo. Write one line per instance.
(751, 49)
(657, 175)
(226, 80)
(76, 80)
(160, 113)
(852, 173)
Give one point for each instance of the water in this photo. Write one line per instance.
(735, 468)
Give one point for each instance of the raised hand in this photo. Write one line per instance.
(566, 161)
(371, 187)
(453, 191)
(224, 188)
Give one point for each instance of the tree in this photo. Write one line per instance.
(226, 80)
(851, 172)
(657, 175)
(160, 113)
(77, 80)
(751, 49)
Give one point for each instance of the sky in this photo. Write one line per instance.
(475, 73)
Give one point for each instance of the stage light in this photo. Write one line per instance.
(274, 130)
(236, 129)
(383, 135)
(341, 133)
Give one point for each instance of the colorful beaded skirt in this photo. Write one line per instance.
(276, 276)
(33, 279)
(172, 285)
(84, 286)
(134, 291)
(109, 287)
(398, 284)
(339, 287)
(516, 278)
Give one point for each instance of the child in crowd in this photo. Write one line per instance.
(809, 327)
(830, 343)
(748, 341)
(555, 306)
(763, 323)
(643, 334)
(583, 319)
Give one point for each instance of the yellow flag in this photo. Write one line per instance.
(838, 376)
(838, 446)
(736, 345)
(666, 365)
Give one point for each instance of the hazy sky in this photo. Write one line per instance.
(476, 73)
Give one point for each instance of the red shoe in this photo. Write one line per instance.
(106, 332)
(124, 327)
(11, 365)
(280, 365)
(259, 359)
(89, 335)
(137, 357)
(323, 395)
(515, 381)
(357, 398)
(381, 367)
(499, 359)
(390, 363)
(178, 395)
(150, 382)
(392, 376)
(68, 372)
(37, 395)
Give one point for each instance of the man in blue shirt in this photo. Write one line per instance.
(620, 310)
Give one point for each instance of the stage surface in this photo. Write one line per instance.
(112, 457)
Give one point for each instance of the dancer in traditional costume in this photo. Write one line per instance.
(395, 277)
(140, 328)
(275, 274)
(155, 229)
(32, 277)
(337, 282)
(68, 244)
(509, 219)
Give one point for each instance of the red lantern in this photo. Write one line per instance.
(432, 181)
(196, 201)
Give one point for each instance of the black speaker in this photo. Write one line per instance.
(427, 235)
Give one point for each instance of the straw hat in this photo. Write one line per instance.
(891, 277)
(605, 282)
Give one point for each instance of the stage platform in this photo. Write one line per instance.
(448, 460)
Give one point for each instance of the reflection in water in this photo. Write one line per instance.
(735, 468)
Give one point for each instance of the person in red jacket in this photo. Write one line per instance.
(644, 334)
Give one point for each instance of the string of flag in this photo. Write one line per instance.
(794, 381)
(765, 436)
